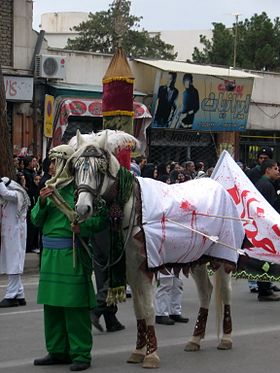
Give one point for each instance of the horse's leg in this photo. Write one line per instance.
(147, 292)
(139, 353)
(226, 291)
(204, 288)
(142, 287)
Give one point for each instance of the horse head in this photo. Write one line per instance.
(95, 171)
(95, 166)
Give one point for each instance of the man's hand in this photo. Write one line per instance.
(44, 194)
(75, 228)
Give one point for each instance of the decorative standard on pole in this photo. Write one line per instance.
(117, 103)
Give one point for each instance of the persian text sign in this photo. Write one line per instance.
(224, 104)
(202, 102)
(263, 225)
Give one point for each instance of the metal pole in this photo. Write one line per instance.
(235, 39)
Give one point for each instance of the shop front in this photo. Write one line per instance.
(85, 115)
(19, 96)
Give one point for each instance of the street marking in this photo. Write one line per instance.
(166, 343)
(20, 312)
(24, 284)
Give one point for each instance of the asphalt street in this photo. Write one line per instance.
(256, 342)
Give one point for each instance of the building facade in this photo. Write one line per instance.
(17, 44)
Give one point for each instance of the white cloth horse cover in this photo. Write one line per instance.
(190, 204)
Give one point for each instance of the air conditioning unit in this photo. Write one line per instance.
(50, 66)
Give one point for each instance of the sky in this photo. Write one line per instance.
(168, 15)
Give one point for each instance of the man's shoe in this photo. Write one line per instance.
(254, 290)
(95, 322)
(51, 360)
(269, 298)
(164, 320)
(21, 301)
(79, 365)
(275, 288)
(35, 251)
(115, 327)
(9, 302)
(179, 318)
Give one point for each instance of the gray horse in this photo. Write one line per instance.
(97, 176)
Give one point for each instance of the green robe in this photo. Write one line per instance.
(62, 284)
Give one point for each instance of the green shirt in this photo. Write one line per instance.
(64, 281)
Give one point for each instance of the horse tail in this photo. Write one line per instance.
(218, 299)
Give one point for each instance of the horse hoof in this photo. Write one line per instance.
(224, 345)
(135, 358)
(151, 361)
(191, 346)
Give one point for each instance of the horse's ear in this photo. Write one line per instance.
(106, 140)
(79, 139)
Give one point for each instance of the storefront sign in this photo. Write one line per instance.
(18, 88)
(48, 116)
(202, 103)
(167, 137)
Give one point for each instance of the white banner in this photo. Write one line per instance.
(263, 225)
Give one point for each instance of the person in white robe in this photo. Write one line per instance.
(14, 204)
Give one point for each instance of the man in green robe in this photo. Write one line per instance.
(65, 285)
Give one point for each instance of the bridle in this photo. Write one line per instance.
(96, 161)
(92, 161)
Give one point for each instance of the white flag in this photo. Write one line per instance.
(263, 225)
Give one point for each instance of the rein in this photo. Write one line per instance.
(92, 167)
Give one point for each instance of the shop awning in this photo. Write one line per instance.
(80, 90)
(184, 67)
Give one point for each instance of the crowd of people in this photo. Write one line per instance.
(38, 224)
(170, 172)
(32, 174)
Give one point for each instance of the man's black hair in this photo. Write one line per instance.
(265, 150)
(173, 74)
(27, 160)
(188, 76)
(268, 163)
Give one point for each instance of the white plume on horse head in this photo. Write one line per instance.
(112, 140)
(80, 140)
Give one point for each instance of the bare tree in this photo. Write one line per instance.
(6, 160)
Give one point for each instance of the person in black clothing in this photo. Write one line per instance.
(49, 171)
(166, 104)
(270, 172)
(32, 191)
(101, 244)
(263, 154)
